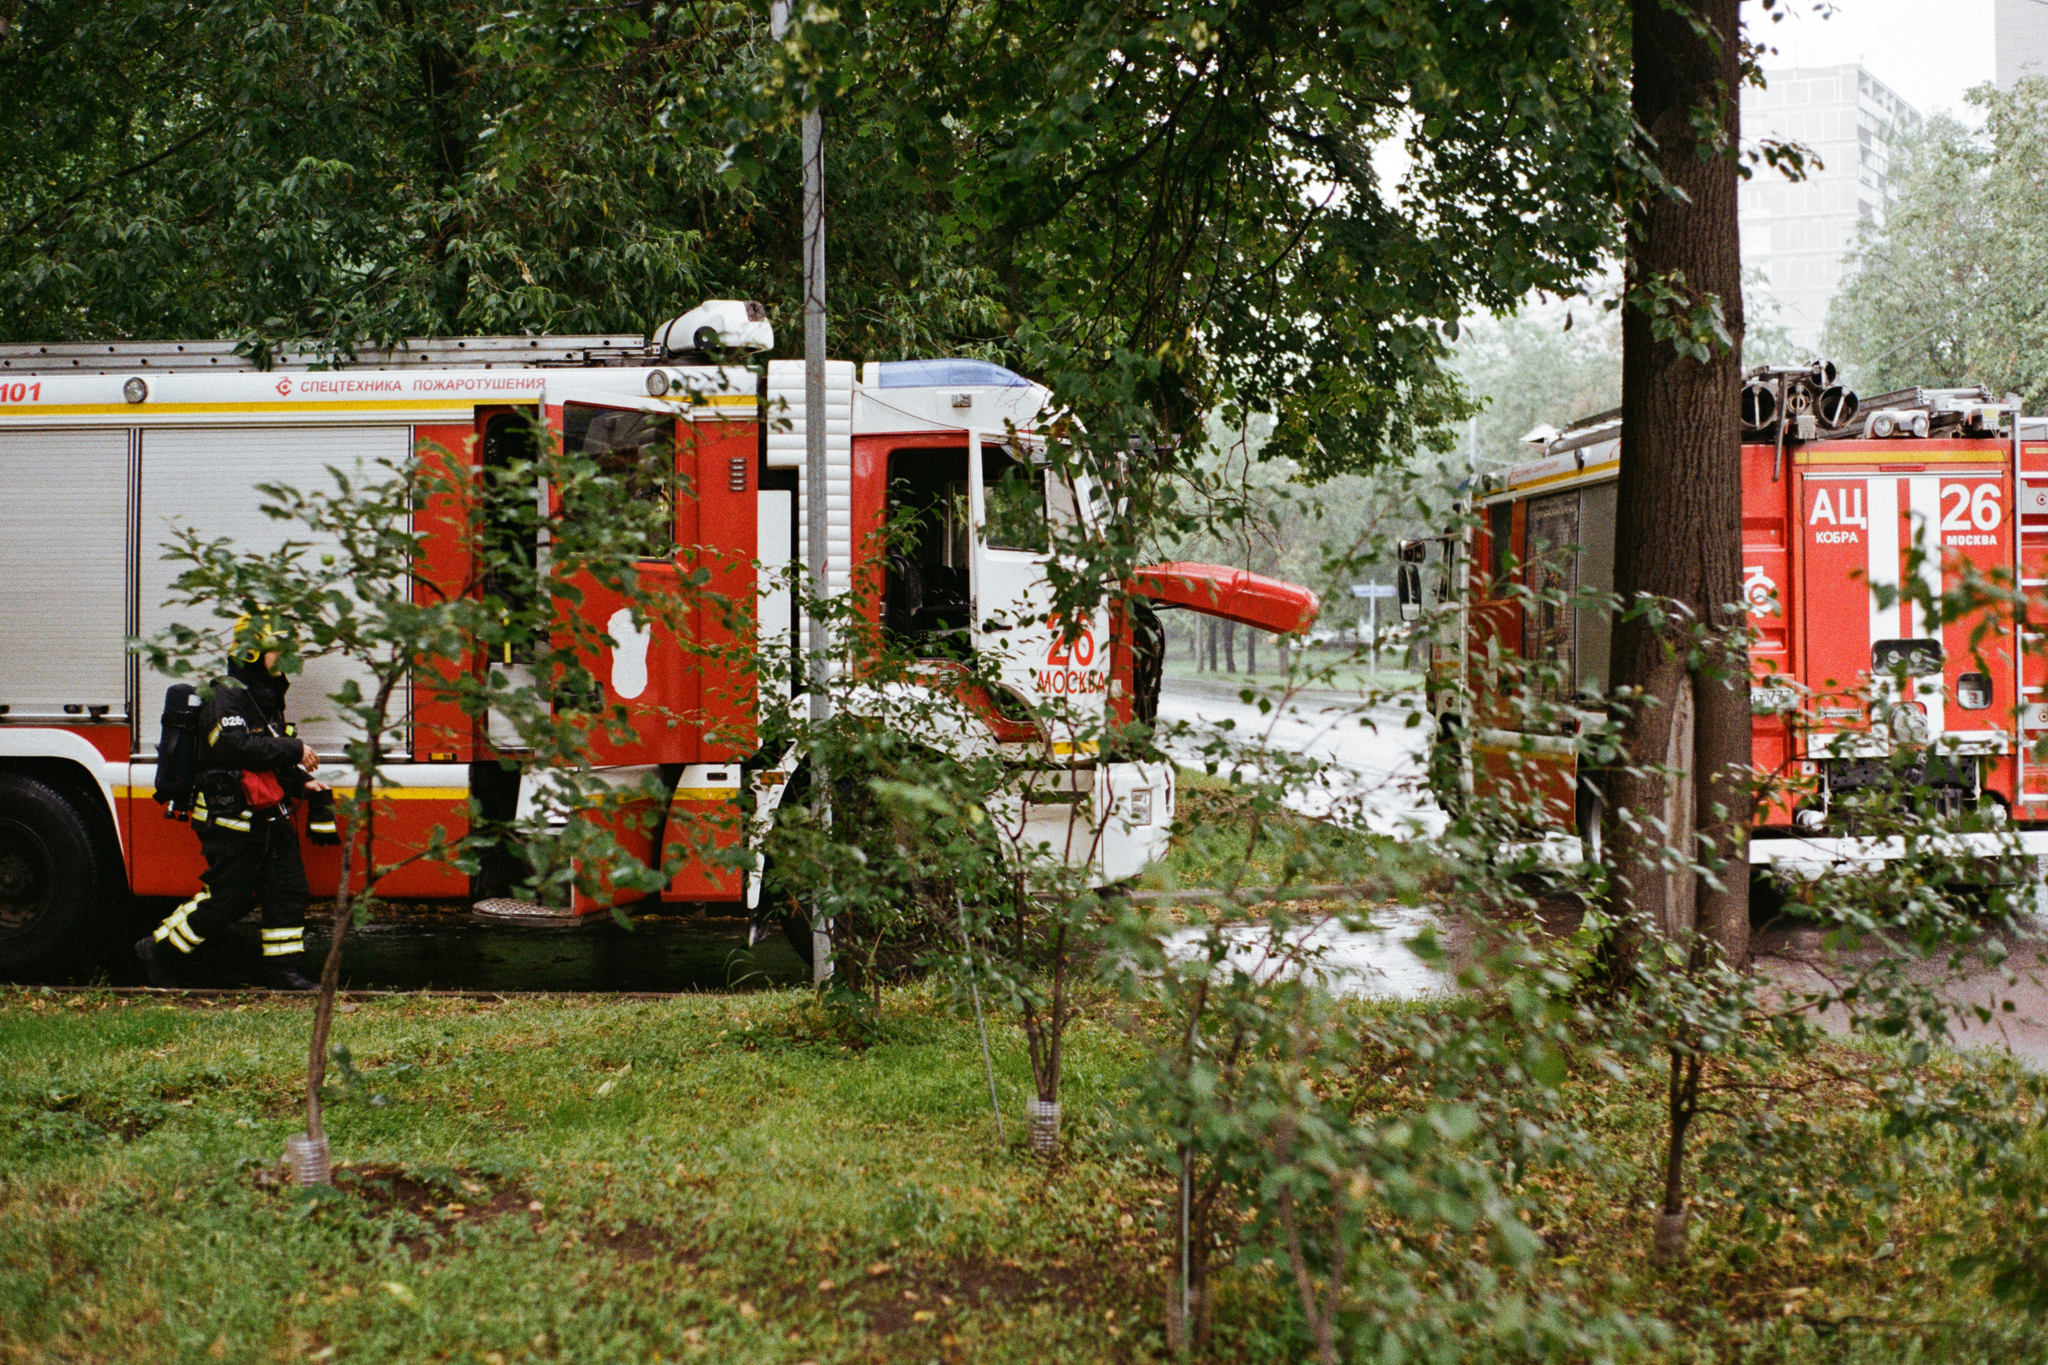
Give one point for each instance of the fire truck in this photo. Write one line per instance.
(107, 447)
(1852, 685)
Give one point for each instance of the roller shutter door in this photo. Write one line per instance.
(206, 477)
(63, 579)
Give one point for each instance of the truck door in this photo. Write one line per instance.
(1855, 526)
(1967, 513)
(1015, 508)
(1863, 534)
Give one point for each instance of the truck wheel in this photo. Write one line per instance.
(53, 877)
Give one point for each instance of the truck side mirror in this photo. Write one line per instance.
(1408, 588)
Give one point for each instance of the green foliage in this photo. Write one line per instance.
(1945, 293)
(1550, 364)
(1160, 217)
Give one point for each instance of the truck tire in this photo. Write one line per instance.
(53, 877)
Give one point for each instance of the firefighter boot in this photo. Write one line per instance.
(283, 974)
(153, 965)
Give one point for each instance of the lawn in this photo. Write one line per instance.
(722, 1178)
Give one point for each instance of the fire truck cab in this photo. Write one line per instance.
(1848, 673)
(105, 447)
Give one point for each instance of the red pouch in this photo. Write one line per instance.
(263, 790)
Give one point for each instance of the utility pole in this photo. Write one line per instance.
(817, 523)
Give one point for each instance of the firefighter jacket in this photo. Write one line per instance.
(241, 730)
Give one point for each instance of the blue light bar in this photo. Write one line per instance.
(939, 374)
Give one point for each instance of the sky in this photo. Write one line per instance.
(1929, 51)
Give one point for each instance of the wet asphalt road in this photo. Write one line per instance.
(419, 949)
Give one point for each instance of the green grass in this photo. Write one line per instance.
(1215, 843)
(720, 1179)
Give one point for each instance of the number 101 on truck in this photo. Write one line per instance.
(1856, 521)
(106, 448)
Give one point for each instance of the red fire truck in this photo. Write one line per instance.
(104, 448)
(1849, 684)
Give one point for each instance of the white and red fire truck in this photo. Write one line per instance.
(104, 448)
(1850, 685)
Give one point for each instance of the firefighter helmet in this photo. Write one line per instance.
(258, 633)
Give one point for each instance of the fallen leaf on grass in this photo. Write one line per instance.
(399, 1292)
(880, 1268)
(826, 1286)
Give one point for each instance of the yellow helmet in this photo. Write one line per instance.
(257, 634)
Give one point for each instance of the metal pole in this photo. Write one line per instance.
(980, 1024)
(817, 529)
(1375, 605)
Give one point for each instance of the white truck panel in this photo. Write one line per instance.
(787, 450)
(205, 478)
(63, 575)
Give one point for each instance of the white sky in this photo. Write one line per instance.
(1929, 51)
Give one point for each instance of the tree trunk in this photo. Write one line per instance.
(1230, 646)
(1680, 498)
(1251, 651)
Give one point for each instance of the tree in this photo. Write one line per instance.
(1154, 216)
(1947, 291)
(353, 580)
(1548, 364)
(1679, 799)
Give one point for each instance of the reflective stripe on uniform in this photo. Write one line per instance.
(284, 942)
(176, 930)
(201, 816)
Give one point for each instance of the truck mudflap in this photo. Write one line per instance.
(1809, 858)
(1238, 595)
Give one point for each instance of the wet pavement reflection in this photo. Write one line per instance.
(440, 950)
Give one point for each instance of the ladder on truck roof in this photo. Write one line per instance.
(128, 357)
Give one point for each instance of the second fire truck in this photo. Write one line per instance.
(1852, 682)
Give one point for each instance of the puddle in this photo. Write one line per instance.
(1364, 962)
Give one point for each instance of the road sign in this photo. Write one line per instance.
(1374, 590)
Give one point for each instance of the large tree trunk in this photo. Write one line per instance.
(1680, 500)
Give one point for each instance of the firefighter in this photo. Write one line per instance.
(250, 770)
